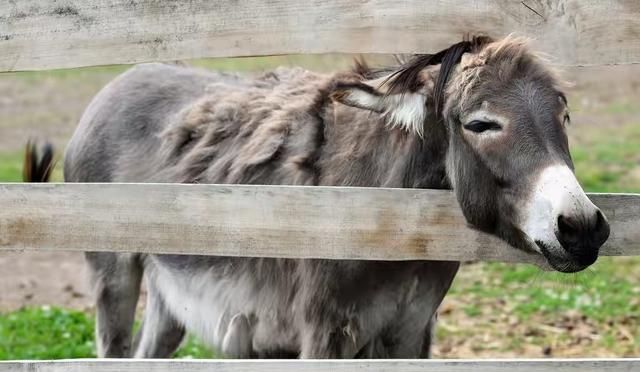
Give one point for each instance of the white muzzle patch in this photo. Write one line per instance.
(556, 192)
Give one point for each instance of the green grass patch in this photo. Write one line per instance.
(54, 333)
(11, 167)
(621, 107)
(606, 291)
(194, 349)
(46, 333)
(603, 163)
(522, 310)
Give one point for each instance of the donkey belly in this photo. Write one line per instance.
(205, 299)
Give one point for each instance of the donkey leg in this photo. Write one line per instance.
(115, 279)
(448, 271)
(237, 342)
(375, 349)
(337, 334)
(160, 334)
(322, 343)
(411, 335)
(404, 340)
(429, 336)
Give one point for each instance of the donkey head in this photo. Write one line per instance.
(508, 157)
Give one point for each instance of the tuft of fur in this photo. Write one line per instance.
(499, 60)
(36, 167)
(407, 78)
(264, 129)
(408, 111)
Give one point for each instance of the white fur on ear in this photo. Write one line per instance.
(407, 111)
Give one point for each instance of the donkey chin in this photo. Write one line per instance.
(562, 223)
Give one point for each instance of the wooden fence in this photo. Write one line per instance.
(47, 34)
(286, 221)
(411, 365)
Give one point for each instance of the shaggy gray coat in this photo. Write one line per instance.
(162, 123)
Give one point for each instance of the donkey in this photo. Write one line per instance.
(485, 118)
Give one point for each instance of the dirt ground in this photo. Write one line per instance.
(43, 278)
(50, 106)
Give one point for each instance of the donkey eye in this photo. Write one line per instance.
(478, 126)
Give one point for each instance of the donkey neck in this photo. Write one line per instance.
(362, 150)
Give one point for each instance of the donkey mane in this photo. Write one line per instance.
(406, 78)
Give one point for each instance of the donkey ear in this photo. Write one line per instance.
(359, 95)
(404, 110)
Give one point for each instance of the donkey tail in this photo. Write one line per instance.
(36, 167)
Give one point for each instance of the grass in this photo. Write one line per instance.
(54, 333)
(594, 312)
(606, 291)
(11, 167)
(46, 333)
(609, 160)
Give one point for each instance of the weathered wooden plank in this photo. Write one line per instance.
(267, 221)
(433, 365)
(37, 34)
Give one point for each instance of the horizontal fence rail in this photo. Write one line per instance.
(268, 221)
(36, 34)
(433, 365)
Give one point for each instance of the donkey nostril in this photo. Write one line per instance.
(566, 226)
(582, 236)
(601, 229)
(572, 234)
(599, 220)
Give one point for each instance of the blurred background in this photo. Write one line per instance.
(493, 310)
